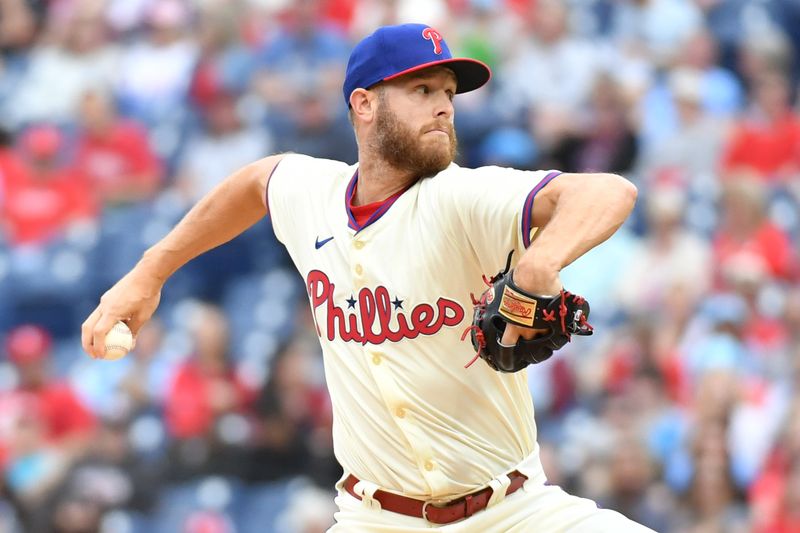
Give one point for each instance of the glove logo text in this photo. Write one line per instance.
(517, 308)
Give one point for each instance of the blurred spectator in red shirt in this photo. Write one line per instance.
(746, 236)
(775, 496)
(788, 516)
(43, 195)
(113, 154)
(67, 422)
(767, 142)
(10, 165)
(43, 426)
(204, 393)
(339, 12)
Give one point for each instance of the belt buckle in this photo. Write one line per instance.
(425, 505)
(425, 510)
(433, 503)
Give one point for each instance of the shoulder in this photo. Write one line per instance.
(302, 162)
(299, 169)
(482, 189)
(295, 174)
(296, 164)
(456, 177)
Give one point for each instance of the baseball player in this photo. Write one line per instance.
(391, 249)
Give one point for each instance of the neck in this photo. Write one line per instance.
(377, 180)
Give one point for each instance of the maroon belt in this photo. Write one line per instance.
(463, 507)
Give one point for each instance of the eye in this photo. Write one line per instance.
(451, 95)
(423, 89)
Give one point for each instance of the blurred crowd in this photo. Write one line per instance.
(682, 412)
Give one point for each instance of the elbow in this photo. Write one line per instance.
(631, 192)
(625, 192)
(608, 192)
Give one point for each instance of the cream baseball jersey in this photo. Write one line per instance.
(390, 302)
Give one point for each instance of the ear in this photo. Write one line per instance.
(363, 103)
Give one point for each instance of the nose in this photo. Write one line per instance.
(444, 106)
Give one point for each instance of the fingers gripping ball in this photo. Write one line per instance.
(561, 316)
(118, 342)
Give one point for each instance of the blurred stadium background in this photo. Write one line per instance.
(683, 411)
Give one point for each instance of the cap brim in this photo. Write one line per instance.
(470, 74)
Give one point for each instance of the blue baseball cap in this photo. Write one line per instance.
(392, 51)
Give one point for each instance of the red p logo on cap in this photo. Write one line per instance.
(432, 35)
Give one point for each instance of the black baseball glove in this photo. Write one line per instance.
(504, 303)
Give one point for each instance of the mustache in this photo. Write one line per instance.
(445, 126)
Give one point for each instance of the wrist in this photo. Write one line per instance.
(153, 267)
(537, 279)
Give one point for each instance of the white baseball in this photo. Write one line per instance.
(118, 342)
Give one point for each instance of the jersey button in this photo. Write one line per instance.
(359, 269)
(358, 245)
(376, 358)
(400, 412)
(428, 465)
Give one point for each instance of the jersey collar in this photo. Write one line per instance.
(381, 209)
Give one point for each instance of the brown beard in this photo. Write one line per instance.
(402, 149)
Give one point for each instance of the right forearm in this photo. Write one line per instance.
(228, 210)
(233, 206)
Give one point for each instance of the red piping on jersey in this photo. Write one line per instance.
(527, 209)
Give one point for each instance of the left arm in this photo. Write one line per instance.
(575, 212)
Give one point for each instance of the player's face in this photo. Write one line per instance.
(414, 122)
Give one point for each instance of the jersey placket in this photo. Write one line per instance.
(379, 359)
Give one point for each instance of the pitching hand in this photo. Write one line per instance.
(133, 299)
